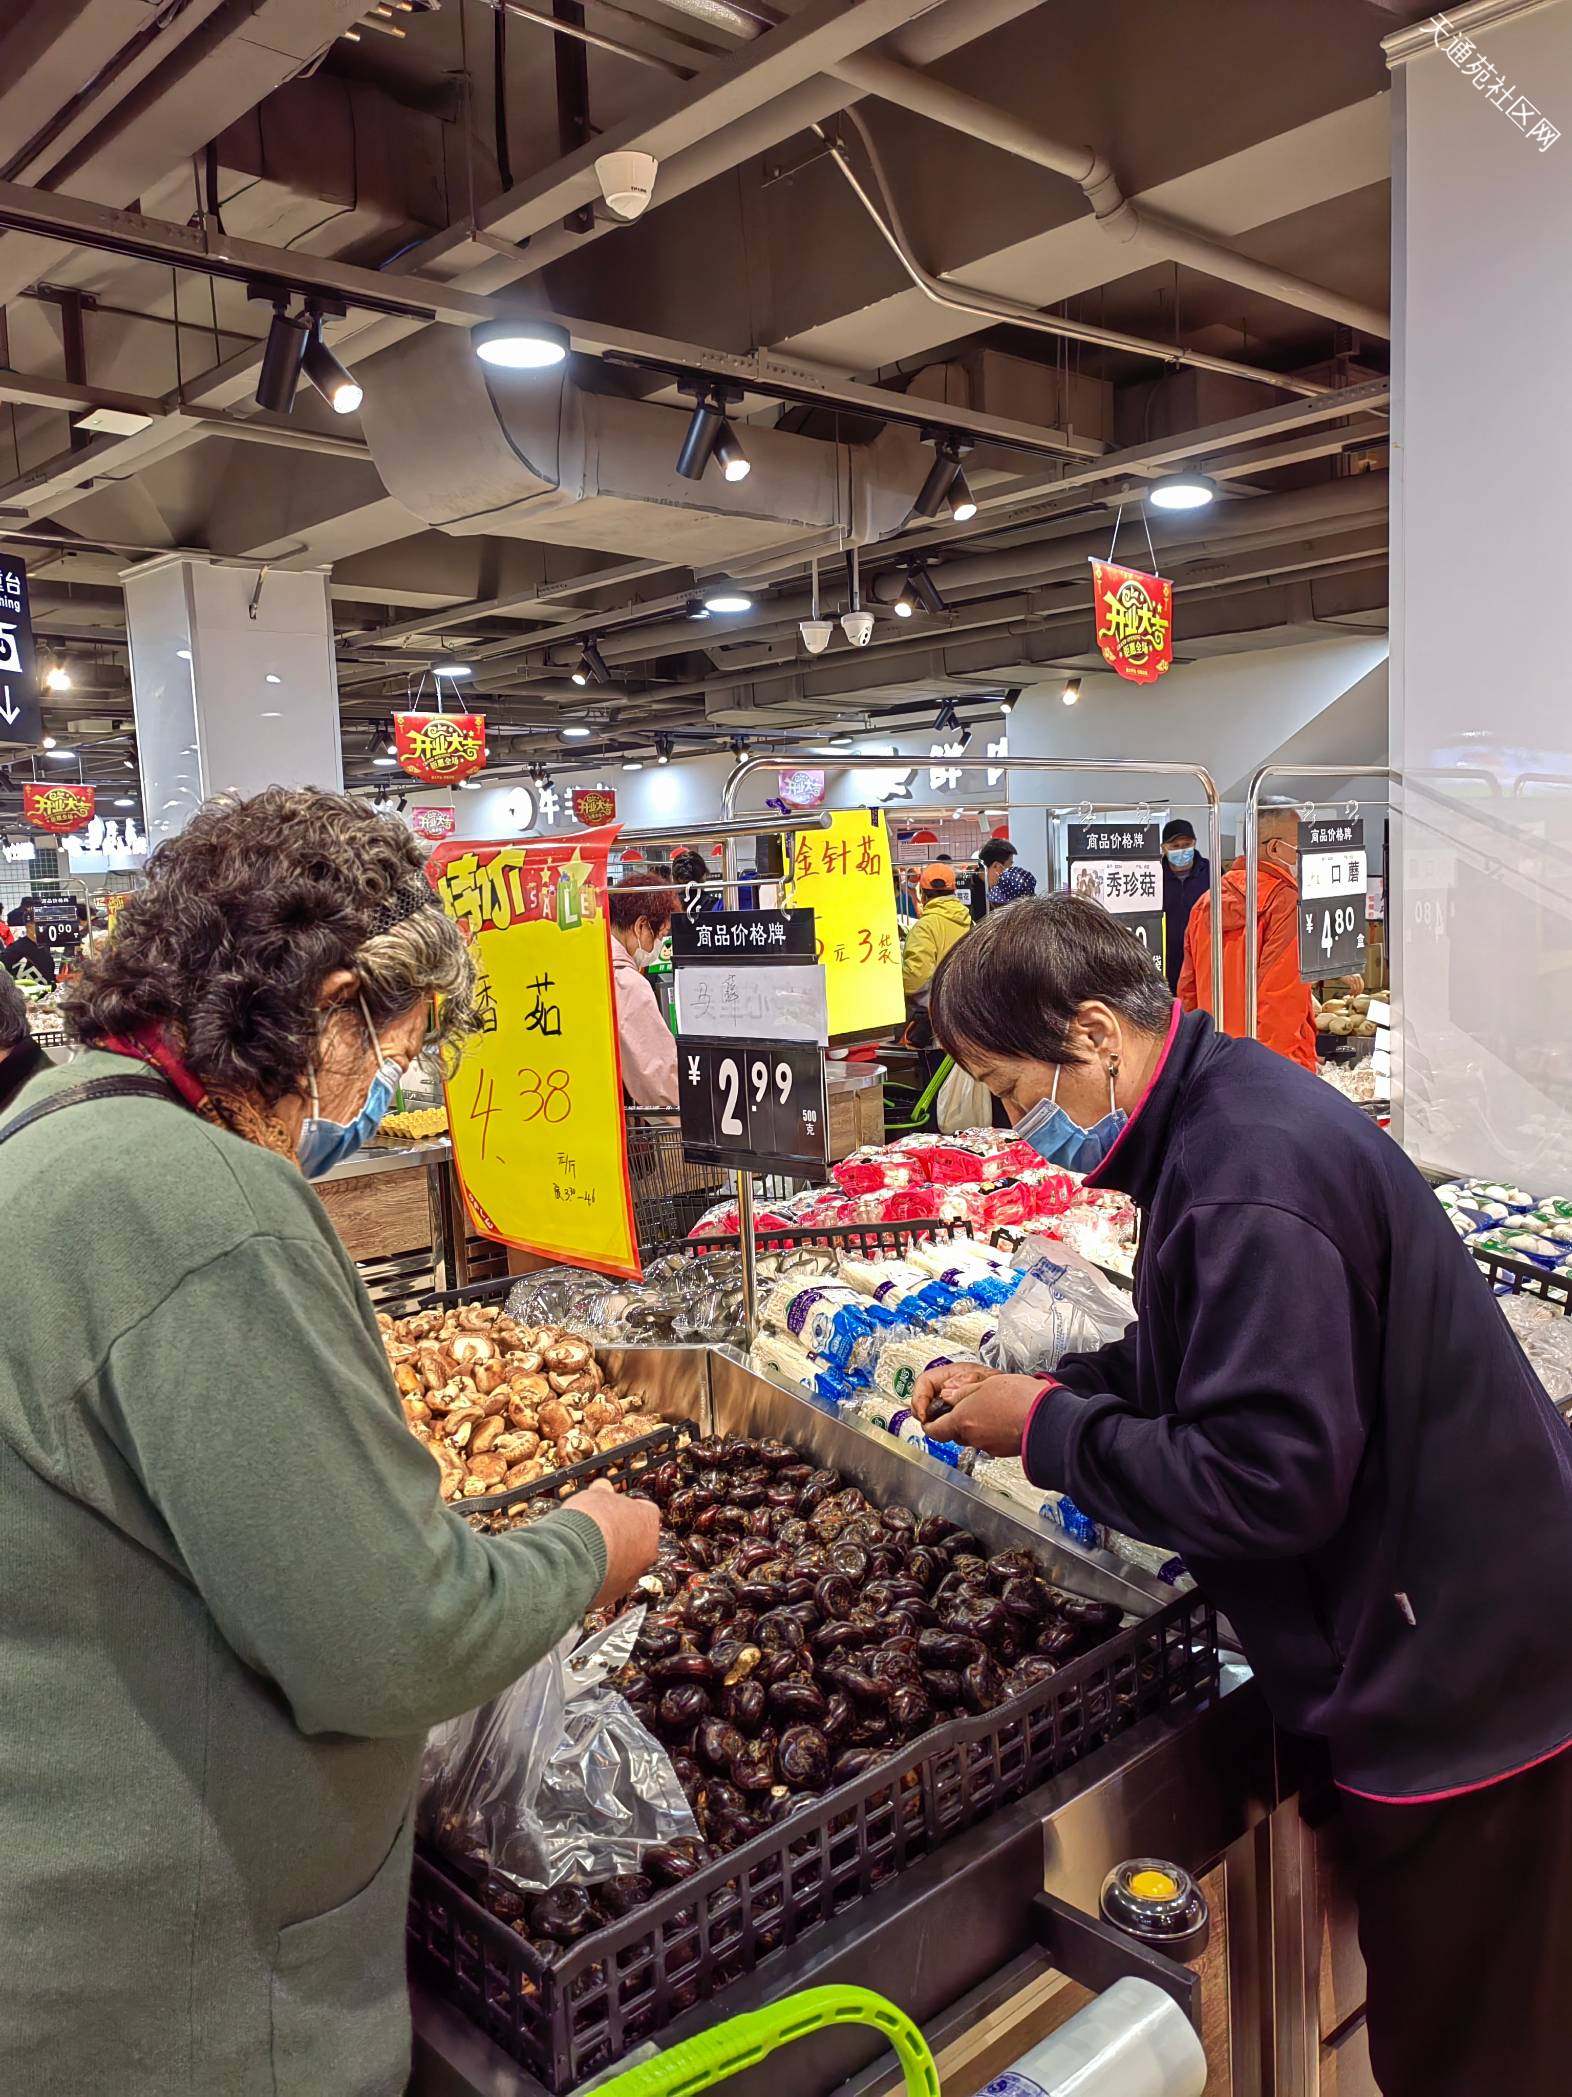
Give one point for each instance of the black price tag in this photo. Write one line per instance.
(753, 1106)
(59, 927)
(1332, 897)
(743, 935)
(1120, 865)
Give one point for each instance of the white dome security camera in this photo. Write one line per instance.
(857, 627)
(627, 181)
(816, 634)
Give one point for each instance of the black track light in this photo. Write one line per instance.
(281, 360)
(339, 388)
(946, 718)
(921, 585)
(1007, 703)
(592, 666)
(709, 435)
(945, 482)
(700, 440)
(663, 749)
(735, 463)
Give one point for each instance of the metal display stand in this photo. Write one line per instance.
(1252, 860)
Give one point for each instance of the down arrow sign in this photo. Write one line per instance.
(9, 712)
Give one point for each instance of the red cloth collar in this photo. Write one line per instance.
(149, 1045)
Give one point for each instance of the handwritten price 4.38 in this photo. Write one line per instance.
(541, 1096)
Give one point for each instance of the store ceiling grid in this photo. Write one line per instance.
(1222, 284)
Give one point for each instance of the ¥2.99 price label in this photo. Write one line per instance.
(753, 1106)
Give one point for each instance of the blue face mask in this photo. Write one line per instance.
(1182, 859)
(324, 1144)
(1058, 1140)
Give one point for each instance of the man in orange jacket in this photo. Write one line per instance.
(1285, 1019)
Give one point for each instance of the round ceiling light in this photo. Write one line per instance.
(1181, 491)
(520, 345)
(726, 597)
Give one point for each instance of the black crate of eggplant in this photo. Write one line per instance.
(841, 1687)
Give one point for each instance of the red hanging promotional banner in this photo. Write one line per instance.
(440, 748)
(61, 809)
(431, 819)
(1135, 621)
(594, 805)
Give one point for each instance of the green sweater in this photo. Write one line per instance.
(233, 1605)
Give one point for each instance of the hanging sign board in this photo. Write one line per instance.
(594, 804)
(1332, 883)
(803, 788)
(441, 749)
(751, 1024)
(1134, 614)
(59, 808)
(843, 876)
(21, 715)
(1120, 865)
(535, 1108)
(432, 820)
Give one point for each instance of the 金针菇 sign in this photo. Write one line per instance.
(535, 1106)
(1120, 865)
(843, 876)
(1332, 898)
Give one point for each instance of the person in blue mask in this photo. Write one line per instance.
(246, 1601)
(1316, 1380)
(1187, 875)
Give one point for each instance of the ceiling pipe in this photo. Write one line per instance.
(984, 305)
(1116, 215)
(1256, 521)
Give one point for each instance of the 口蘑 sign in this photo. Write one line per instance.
(1332, 897)
(1120, 865)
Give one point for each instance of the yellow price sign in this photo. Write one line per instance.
(535, 1108)
(843, 876)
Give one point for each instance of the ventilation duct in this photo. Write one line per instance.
(535, 456)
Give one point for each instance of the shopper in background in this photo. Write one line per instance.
(235, 1603)
(27, 949)
(1318, 1379)
(1187, 876)
(945, 918)
(1007, 882)
(1284, 1015)
(20, 1056)
(689, 871)
(641, 911)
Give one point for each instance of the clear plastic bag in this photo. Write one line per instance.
(555, 1781)
(1062, 1306)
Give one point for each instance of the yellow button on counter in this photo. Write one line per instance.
(1153, 1885)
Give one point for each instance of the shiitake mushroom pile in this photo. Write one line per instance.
(798, 1635)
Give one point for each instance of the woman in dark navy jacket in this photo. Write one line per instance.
(1321, 1407)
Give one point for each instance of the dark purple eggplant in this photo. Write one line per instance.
(854, 1762)
(754, 1769)
(620, 1896)
(850, 1559)
(838, 1714)
(566, 1913)
(745, 1704)
(803, 1757)
(911, 1712)
(943, 1684)
(796, 1698)
(717, 1742)
(836, 1595)
(982, 1685)
(669, 1863)
(674, 1668)
(934, 1529)
(680, 1709)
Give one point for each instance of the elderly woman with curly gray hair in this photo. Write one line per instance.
(235, 1602)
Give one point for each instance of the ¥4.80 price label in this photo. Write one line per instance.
(1332, 898)
(753, 1106)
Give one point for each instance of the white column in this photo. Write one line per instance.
(1481, 712)
(233, 684)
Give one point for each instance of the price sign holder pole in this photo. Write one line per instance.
(1252, 858)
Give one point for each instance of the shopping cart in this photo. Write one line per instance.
(742, 2042)
(669, 1194)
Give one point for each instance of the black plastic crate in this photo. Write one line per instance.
(619, 1467)
(1523, 1278)
(566, 2019)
